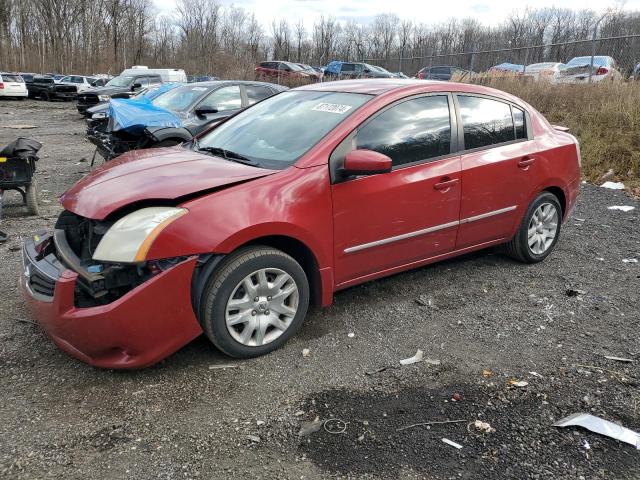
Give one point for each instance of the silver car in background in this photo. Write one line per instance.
(577, 70)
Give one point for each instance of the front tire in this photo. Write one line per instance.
(254, 302)
(539, 231)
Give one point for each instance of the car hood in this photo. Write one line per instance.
(133, 116)
(153, 175)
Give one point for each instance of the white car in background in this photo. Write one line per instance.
(12, 85)
(576, 70)
(81, 82)
(546, 71)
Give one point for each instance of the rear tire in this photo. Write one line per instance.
(539, 231)
(31, 194)
(254, 301)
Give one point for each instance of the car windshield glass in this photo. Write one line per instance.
(181, 98)
(598, 61)
(294, 67)
(119, 82)
(277, 131)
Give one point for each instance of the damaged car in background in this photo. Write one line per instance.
(308, 192)
(173, 117)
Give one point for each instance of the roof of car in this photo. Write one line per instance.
(370, 86)
(216, 83)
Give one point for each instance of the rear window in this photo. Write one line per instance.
(43, 80)
(12, 78)
(599, 61)
(486, 122)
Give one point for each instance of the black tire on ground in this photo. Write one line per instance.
(518, 247)
(45, 96)
(220, 286)
(32, 197)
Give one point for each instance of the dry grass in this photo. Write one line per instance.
(604, 116)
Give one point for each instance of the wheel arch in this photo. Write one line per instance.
(561, 196)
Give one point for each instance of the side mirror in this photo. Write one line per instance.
(201, 112)
(366, 70)
(365, 162)
(136, 86)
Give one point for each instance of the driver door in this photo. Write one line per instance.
(393, 220)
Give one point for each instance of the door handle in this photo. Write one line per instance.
(525, 162)
(445, 183)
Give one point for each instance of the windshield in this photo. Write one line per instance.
(120, 82)
(295, 67)
(181, 98)
(598, 61)
(277, 131)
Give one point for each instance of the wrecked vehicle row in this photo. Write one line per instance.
(173, 114)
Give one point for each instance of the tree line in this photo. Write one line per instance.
(205, 37)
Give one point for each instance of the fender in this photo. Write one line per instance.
(158, 134)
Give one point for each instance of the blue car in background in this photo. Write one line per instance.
(174, 116)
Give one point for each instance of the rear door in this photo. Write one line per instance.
(500, 168)
(394, 219)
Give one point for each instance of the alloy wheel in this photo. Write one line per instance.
(261, 307)
(543, 228)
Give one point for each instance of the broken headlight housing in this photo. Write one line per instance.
(130, 238)
(104, 98)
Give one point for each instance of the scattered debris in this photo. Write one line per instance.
(586, 445)
(518, 383)
(602, 427)
(623, 208)
(306, 352)
(254, 438)
(575, 293)
(223, 366)
(351, 335)
(19, 126)
(432, 361)
(630, 260)
(536, 374)
(423, 424)
(308, 428)
(259, 422)
(456, 397)
(415, 359)
(377, 370)
(452, 443)
(619, 359)
(486, 373)
(335, 426)
(484, 427)
(613, 185)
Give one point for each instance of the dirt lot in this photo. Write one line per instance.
(60, 418)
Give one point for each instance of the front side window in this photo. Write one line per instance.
(279, 130)
(348, 67)
(411, 131)
(120, 82)
(225, 98)
(485, 122)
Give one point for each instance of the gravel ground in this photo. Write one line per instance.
(486, 318)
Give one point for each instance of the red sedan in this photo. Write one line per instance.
(305, 193)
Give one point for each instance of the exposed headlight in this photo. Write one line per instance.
(129, 239)
(104, 98)
(98, 115)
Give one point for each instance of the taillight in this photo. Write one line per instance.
(1, 85)
(602, 71)
(420, 75)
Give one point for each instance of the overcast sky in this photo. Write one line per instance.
(489, 12)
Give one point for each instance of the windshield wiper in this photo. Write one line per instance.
(227, 155)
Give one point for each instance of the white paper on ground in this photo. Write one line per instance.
(613, 185)
(415, 359)
(623, 208)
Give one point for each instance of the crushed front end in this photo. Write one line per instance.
(108, 314)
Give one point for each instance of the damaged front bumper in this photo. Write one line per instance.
(138, 329)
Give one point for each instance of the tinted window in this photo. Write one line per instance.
(282, 128)
(180, 98)
(440, 70)
(519, 123)
(225, 98)
(155, 80)
(43, 80)
(11, 78)
(410, 131)
(348, 67)
(486, 122)
(256, 93)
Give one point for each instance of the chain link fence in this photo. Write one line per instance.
(625, 50)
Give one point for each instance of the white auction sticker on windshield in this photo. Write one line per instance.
(198, 89)
(332, 108)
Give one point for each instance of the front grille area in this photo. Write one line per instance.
(41, 284)
(88, 99)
